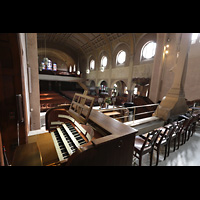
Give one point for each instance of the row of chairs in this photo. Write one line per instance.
(177, 132)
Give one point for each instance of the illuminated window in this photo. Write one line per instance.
(104, 61)
(92, 65)
(135, 91)
(121, 57)
(148, 50)
(194, 38)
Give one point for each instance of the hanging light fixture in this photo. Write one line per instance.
(45, 64)
(78, 68)
(87, 71)
(102, 69)
(70, 69)
(45, 59)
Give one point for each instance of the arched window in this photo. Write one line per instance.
(104, 61)
(92, 64)
(121, 57)
(194, 38)
(148, 50)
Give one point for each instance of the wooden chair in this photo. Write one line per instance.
(163, 140)
(182, 134)
(145, 145)
(191, 126)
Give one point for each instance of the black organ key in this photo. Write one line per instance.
(76, 134)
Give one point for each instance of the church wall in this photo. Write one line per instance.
(142, 70)
(192, 86)
(169, 62)
(133, 67)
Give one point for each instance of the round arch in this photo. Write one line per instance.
(57, 56)
(141, 41)
(92, 83)
(100, 82)
(120, 86)
(121, 46)
(90, 58)
(101, 54)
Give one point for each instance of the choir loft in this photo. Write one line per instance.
(106, 99)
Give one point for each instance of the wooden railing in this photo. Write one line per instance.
(132, 111)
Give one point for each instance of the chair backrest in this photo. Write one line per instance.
(187, 123)
(180, 126)
(171, 130)
(155, 134)
(191, 127)
(166, 134)
(151, 139)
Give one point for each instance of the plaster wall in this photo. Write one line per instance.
(192, 86)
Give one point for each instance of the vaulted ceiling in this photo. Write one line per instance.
(78, 46)
(79, 42)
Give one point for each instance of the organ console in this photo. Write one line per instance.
(69, 137)
(99, 140)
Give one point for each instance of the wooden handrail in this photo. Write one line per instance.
(132, 107)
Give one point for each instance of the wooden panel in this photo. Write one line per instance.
(27, 155)
(114, 152)
(46, 147)
(113, 126)
(10, 86)
(145, 125)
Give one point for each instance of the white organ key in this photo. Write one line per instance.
(65, 141)
(67, 117)
(80, 127)
(60, 156)
(87, 135)
(71, 135)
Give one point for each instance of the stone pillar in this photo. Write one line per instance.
(34, 91)
(157, 67)
(174, 102)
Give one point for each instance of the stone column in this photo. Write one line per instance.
(174, 102)
(157, 67)
(34, 91)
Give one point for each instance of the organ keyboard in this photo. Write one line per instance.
(69, 137)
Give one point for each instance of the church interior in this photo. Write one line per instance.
(98, 99)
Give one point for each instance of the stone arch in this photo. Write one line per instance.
(100, 81)
(101, 54)
(120, 86)
(121, 46)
